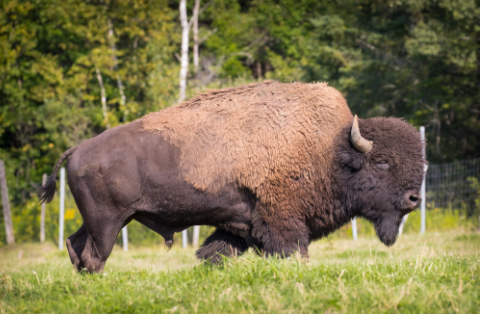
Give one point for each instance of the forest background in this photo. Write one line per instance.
(416, 59)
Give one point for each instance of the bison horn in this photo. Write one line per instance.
(361, 144)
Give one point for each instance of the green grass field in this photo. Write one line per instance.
(433, 273)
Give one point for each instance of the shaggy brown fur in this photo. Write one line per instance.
(265, 137)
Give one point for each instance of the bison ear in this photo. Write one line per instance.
(361, 144)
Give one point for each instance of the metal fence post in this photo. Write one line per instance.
(62, 209)
(422, 191)
(196, 235)
(354, 229)
(42, 213)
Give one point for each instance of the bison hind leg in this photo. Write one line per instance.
(89, 249)
(83, 252)
(75, 245)
(220, 243)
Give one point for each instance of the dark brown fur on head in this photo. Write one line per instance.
(381, 185)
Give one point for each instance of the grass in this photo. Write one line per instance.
(433, 273)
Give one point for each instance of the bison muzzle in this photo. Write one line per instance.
(271, 166)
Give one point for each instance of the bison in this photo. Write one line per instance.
(270, 165)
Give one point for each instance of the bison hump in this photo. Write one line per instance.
(257, 136)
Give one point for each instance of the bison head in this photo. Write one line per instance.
(380, 172)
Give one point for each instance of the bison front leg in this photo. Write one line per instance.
(220, 243)
(282, 240)
(277, 245)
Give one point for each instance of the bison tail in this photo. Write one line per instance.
(47, 191)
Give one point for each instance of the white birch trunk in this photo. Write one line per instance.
(184, 57)
(196, 10)
(104, 97)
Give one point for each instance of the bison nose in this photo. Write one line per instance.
(411, 200)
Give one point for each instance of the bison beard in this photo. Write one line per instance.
(272, 166)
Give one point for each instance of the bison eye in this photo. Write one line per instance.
(382, 165)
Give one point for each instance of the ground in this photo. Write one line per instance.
(433, 273)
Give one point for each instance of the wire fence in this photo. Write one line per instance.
(447, 185)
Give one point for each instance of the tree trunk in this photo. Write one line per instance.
(7, 214)
(184, 57)
(104, 98)
(196, 10)
(42, 214)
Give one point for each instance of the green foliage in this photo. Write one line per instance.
(49, 91)
(26, 220)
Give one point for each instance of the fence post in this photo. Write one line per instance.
(61, 214)
(125, 238)
(404, 220)
(7, 214)
(184, 239)
(422, 191)
(42, 213)
(354, 228)
(196, 235)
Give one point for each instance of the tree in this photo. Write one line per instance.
(184, 55)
